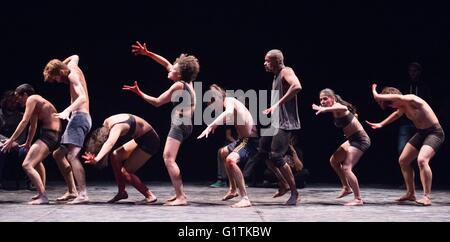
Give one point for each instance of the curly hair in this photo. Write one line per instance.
(189, 67)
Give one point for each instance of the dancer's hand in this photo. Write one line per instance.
(374, 125)
(374, 91)
(89, 157)
(7, 146)
(319, 109)
(139, 49)
(134, 88)
(269, 110)
(64, 115)
(26, 146)
(206, 132)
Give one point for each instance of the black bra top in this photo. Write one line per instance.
(343, 121)
(131, 121)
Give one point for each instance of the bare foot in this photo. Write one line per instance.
(292, 201)
(230, 195)
(42, 199)
(280, 192)
(35, 196)
(119, 196)
(147, 200)
(182, 201)
(425, 201)
(354, 202)
(67, 196)
(80, 200)
(344, 192)
(172, 198)
(407, 197)
(244, 203)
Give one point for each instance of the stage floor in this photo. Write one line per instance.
(318, 203)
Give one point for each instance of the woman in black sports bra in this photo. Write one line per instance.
(142, 142)
(183, 72)
(349, 153)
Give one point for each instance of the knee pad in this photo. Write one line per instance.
(277, 159)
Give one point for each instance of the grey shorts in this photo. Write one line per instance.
(180, 132)
(78, 127)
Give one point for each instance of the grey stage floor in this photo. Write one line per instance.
(317, 204)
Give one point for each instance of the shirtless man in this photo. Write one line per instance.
(80, 123)
(235, 112)
(36, 109)
(423, 145)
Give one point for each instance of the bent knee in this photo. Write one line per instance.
(229, 161)
(422, 162)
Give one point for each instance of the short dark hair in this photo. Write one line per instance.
(25, 89)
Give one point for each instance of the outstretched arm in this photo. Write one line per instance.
(391, 118)
(164, 98)
(389, 97)
(141, 49)
(337, 107)
(29, 109)
(114, 135)
(220, 120)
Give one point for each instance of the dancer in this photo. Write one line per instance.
(142, 142)
(36, 109)
(422, 146)
(183, 72)
(235, 112)
(350, 152)
(273, 148)
(79, 125)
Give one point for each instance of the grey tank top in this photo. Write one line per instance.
(289, 119)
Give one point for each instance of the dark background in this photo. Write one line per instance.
(343, 45)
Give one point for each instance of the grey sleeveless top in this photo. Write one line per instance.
(288, 111)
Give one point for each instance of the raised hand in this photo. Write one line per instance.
(89, 157)
(374, 91)
(134, 88)
(374, 125)
(139, 49)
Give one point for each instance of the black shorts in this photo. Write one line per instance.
(148, 142)
(433, 136)
(360, 140)
(51, 138)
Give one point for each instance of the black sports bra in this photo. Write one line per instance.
(343, 121)
(131, 121)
